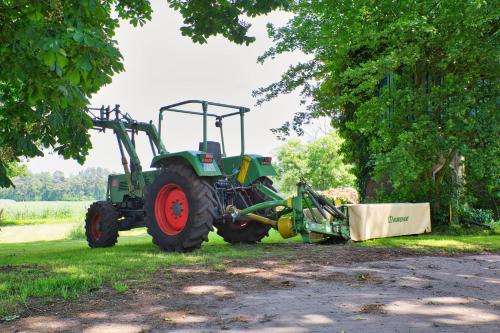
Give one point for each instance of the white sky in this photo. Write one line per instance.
(162, 67)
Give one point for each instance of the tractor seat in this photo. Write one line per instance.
(213, 148)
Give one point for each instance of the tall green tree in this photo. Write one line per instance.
(319, 162)
(411, 86)
(54, 54)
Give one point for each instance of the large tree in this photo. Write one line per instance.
(411, 86)
(54, 54)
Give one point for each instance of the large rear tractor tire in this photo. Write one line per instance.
(101, 224)
(245, 231)
(180, 209)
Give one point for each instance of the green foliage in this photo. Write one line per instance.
(458, 229)
(410, 86)
(207, 18)
(89, 184)
(474, 216)
(16, 169)
(55, 54)
(319, 162)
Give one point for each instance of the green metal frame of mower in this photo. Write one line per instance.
(238, 187)
(324, 219)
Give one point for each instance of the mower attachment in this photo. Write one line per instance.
(308, 214)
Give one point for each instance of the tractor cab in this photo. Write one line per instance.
(246, 167)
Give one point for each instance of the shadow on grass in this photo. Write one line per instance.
(68, 268)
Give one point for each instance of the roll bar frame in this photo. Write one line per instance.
(205, 114)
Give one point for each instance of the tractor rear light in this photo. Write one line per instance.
(266, 160)
(207, 158)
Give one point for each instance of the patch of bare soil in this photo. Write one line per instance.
(303, 288)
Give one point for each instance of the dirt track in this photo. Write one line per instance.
(348, 289)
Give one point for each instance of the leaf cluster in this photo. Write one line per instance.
(54, 54)
(205, 18)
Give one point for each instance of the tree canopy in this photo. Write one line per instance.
(88, 184)
(411, 86)
(319, 162)
(55, 54)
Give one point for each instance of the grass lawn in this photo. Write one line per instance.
(432, 243)
(42, 212)
(67, 268)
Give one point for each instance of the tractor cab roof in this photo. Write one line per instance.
(204, 105)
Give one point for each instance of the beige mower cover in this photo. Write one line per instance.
(368, 221)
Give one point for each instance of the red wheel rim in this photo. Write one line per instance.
(171, 209)
(95, 226)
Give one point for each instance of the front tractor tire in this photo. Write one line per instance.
(101, 224)
(246, 231)
(180, 209)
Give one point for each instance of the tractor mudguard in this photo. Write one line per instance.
(191, 157)
(248, 167)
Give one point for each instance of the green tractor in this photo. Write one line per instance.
(188, 193)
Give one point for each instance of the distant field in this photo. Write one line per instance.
(42, 212)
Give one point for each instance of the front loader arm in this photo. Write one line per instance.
(122, 125)
(152, 134)
(134, 173)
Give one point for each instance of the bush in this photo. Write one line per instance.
(473, 216)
